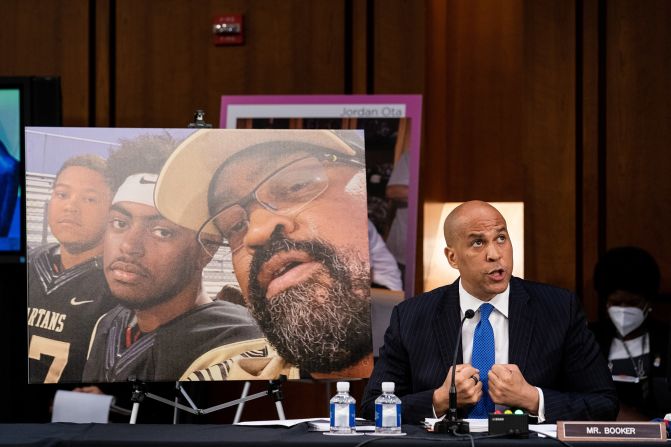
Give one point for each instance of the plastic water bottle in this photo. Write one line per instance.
(343, 410)
(388, 411)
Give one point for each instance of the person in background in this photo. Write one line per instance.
(527, 347)
(397, 192)
(636, 346)
(384, 270)
(67, 292)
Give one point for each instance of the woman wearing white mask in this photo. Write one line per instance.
(635, 343)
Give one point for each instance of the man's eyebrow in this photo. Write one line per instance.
(151, 218)
(475, 235)
(501, 229)
(92, 190)
(69, 186)
(155, 217)
(62, 185)
(120, 209)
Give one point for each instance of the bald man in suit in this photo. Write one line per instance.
(545, 360)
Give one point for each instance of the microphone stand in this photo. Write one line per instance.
(451, 423)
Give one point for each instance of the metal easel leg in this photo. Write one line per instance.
(133, 413)
(241, 405)
(275, 391)
(280, 410)
(136, 397)
(175, 413)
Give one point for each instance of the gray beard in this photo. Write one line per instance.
(323, 324)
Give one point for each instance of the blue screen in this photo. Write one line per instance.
(10, 175)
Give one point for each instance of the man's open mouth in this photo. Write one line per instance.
(497, 274)
(286, 269)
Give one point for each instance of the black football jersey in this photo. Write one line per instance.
(63, 308)
(166, 353)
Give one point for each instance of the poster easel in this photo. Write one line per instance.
(273, 390)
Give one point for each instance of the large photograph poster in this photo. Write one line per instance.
(182, 254)
(392, 127)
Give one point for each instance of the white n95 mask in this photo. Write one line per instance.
(626, 318)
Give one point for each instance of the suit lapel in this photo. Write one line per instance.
(446, 324)
(520, 324)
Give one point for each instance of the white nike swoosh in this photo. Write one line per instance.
(74, 301)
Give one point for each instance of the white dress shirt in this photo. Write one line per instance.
(499, 321)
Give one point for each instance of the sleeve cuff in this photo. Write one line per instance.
(434, 413)
(541, 406)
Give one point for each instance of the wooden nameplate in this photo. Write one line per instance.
(611, 431)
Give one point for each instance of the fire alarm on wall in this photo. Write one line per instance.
(228, 30)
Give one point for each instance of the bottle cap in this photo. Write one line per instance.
(387, 387)
(343, 387)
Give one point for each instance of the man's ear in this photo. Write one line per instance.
(451, 257)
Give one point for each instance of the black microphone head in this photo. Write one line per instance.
(470, 313)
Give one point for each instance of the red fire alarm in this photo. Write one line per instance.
(228, 30)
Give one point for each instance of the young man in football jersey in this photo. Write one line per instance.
(164, 320)
(67, 292)
(291, 207)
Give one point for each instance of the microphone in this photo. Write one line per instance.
(450, 423)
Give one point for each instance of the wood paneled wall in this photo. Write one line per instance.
(562, 105)
(47, 38)
(167, 66)
(637, 161)
(398, 46)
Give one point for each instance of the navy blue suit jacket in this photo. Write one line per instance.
(549, 342)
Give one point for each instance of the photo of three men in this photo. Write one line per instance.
(124, 232)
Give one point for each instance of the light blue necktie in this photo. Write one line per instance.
(483, 360)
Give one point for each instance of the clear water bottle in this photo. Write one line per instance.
(343, 410)
(388, 411)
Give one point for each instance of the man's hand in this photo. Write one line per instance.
(469, 389)
(507, 386)
(91, 389)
